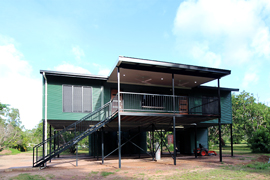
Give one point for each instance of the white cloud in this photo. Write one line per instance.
(104, 72)
(201, 53)
(261, 42)
(18, 87)
(250, 78)
(71, 68)
(234, 30)
(78, 53)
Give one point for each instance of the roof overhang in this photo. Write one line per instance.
(158, 73)
(76, 75)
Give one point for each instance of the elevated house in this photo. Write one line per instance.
(138, 96)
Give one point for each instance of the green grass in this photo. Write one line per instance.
(50, 176)
(94, 172)
(259, 165)
(237, 149)
(27, 176)
(104, 173)
(13, 151)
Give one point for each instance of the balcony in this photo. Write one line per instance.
(163, 104)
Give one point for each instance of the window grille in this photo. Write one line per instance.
(67, 98)
(77, 98)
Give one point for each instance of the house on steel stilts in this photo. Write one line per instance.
(139, 97)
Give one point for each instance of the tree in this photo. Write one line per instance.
(11, 129)
(248, 117)
(260, 142)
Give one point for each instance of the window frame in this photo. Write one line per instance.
(72, 95)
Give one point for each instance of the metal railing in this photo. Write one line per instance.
(160, 103)
(72, 134)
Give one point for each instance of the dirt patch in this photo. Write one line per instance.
(132, 167)
(263, 159)
(5, 151)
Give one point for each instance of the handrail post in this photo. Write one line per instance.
(33, 156)
(50, 141)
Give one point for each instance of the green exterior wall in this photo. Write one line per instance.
(54, 96)
(226, 109)
(185, 139)
(101, 94)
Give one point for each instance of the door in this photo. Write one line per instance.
(115, 101)
(183, 105)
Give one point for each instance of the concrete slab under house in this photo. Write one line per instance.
(139, 97)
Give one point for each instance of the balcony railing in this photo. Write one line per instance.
(160, 103)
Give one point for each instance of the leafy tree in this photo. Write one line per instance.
(11, 128)
(248, 116)
(260, 142)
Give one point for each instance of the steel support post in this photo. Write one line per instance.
(102, 146)
(43, 138)
(129, 144)
(231, 141)
(219, 123)
(94, 148)
(54, 139)
(195, 135)
(77, 155)
(119, 116)
(90, 149)
(97, 144)
(139, 141)
(161, 142)
(50, 141)
(153, 145)
(174, 136)
(58, 144)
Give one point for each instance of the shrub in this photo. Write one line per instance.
(260, 142)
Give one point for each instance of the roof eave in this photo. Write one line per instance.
(76, 75)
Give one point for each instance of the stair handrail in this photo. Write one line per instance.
(78, 137)
(75, 123)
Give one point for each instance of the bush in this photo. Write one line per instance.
(260, 142)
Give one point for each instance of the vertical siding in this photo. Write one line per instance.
(226, 108)
(96, 98)
(202, 138)
(107, 94)
(55, 102)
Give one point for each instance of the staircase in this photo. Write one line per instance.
(79, 130)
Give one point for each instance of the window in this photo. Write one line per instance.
(77, 98)
(210, 105)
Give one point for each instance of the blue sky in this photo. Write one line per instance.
(88, 36)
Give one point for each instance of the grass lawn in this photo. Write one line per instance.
(237, 149)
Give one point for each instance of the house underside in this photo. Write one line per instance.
(138, 96)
